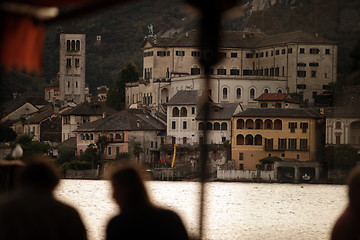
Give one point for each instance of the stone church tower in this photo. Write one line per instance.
(72, 68)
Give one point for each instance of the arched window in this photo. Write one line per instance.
(91, 136)
(252, 93)
(195, 70)
(258, 140)
(249, 124)
(209, 126)
(238, 93)
(277, 124)
(240, 139)
(68, 47)
(249, 140)
(175, 112)
(224, 126)
(221, 71)
(77, 45)
(82, 137)
(338, 125)
(111, 137)
(201, 126)
(225, 92)
(87, 137)
(268, 124)
(183, 112)
(240, 124)
(279, 90)
(266, 90)
(118, 136)
(234, 71)
(216, 126)
(258, 124)
(73, 45)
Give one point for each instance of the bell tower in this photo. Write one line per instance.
(72, 68)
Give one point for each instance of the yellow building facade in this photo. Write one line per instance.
(291, 134)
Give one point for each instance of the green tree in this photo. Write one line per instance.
(66, 154)
(116, 95)
(30, 146)
(137, 149)
(123, 156)
(6, 134)
(90, 155)
(340, 157)
(101, 144)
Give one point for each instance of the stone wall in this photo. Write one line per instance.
(82, 174)
(246, 175)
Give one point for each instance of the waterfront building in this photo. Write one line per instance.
(290, 134)
(251, 64)
(277, 100)
(121, 131)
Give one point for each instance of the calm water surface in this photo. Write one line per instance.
(233, 210)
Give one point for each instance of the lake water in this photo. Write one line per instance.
(233, 210)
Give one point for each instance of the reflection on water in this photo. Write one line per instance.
(233, 210)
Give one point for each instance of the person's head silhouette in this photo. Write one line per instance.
(354, 190)
(128, 187)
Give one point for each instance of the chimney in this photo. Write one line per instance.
(104, 115)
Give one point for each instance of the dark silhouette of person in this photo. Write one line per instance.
(347, 225)
(139, 218)
(32, 212)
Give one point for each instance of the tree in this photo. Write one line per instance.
(340, 157)
(123, 156)
(268, 162)
(6, 134)
(66, 154)
(137, 149)
(90, 155)
(29, 146)
(116, 95)
(101, 145)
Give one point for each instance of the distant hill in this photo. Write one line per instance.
(122, 30)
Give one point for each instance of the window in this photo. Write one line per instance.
(117, 150)
(292, 126)
(289, 50)
(279, 90)
(180, 53)
(338, 125)
(241, 156)
(257, 55)
(148, 54)
(252, 93)
(282, 144)
(278, 105)
(68, 62)
(301, 64)
(201, 126)
(261, 54)
(263, 105)
(224, 126)
(233, 55)
(192, 110)
(266, 54)
(302, 50)
(223, 139)
(283, 51)
(272, 52)
(77, 62)
(241, 166)
(195, 53)
(277, 52)
(161, 53)
(216, 126)
(183, 112)
(277, 71)
(77, 45)
(173, 125)
(304, 126)
(209, 71)
(292, 144)
(313, 64)
(301, 74)
(176, 112)
(225, 93)
(234, 71)
(337, 139)
(109, 151)
(184, 140)
(247, 72)
(184, 124)
(68, 45)
(221, 71)
(303, 144)
(314, 51)
(269, 143)
(266, 72)
(249, 55)
(238, 93)
(195, 70)
(272, 72)
(313, 74)
(327, 51)
(249, 140)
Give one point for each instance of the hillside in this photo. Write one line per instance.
(122, 30)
